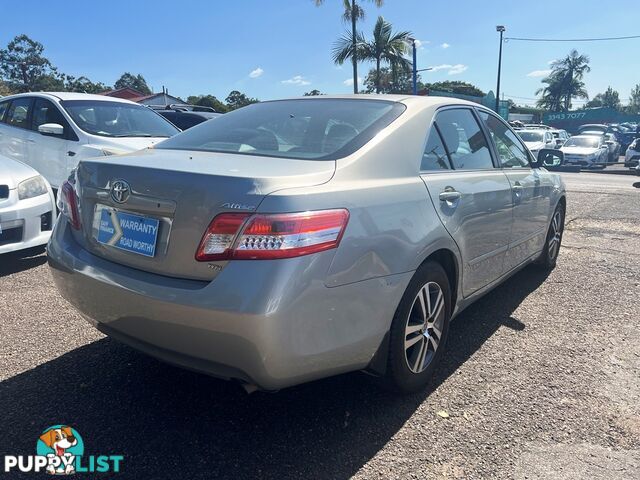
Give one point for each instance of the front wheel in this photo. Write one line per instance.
(419, 330)
(549, 255)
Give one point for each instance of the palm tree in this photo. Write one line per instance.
(386, 46)
(565, 82)
(352, 13)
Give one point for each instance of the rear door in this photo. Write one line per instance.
(15, 129)
(531, 191)
(49, 154)
(472, 196)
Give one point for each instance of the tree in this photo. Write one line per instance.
(207, 101)
(137, 82)
(236, 99)
(400, 82)
(385, 46)
(313, 93)
(4, 89)
(83, 85)
(634, 100)
(564, 83)
(352, 13)
(456, 86)
(609, 99)
(24, 68)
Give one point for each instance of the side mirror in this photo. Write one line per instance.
(54, 129)
(549, 157)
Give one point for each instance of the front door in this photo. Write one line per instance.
(14, 130)
(531, 193)
(472, 196)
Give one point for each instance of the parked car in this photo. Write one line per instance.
(186, 116)
(537, 126)
(296, 239)
(536, 140)
(632, 155)
(560, 136)
(611, 142)
(27, 207)
(52, 132)
(623, 137)
(588, 151)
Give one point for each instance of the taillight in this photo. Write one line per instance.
(68, 204)
(270, 236)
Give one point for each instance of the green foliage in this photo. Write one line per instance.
(634, 100)
(83, 85)
(399, 82)
(236, 99)
(207, 101)
(4, 89)
(456, 86)
(24, 68)
(137, 82)
(564, 83)
(313, 93)
(609, 99)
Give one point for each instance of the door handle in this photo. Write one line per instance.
(517, 187)
(449, 195)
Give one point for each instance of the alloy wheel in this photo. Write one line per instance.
(423, 330)
(556, 234)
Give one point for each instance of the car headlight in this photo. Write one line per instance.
(32, 187)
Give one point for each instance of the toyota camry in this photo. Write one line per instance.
(296, 239)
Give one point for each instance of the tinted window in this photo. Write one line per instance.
(18, 112)
(511, 152)
(187, 121)
(46, 112)
(3, 109)
(314, 129)
(464, 139)
(117, 119)
(589, 142)
(435, 156)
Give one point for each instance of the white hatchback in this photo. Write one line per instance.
(52, 132)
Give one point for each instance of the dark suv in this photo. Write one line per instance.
(185, 116)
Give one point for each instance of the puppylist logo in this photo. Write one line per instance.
(60, 451)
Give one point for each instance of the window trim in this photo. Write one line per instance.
(8, 102)
(482, 129)
(434, 126)
(494, 147)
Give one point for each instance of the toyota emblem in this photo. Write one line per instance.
(120, 191)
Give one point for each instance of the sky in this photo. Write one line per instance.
(281, 48)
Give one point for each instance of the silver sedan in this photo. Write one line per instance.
(297, 239)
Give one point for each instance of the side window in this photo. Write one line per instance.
(464, 139)
(3, 109)
(18, 113)
(435, 156)
(511, 152)
(46, 112)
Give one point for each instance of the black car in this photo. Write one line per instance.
(185, 116)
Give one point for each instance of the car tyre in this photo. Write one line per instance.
(419, 330)
(549, 255)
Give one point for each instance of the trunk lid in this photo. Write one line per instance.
(184, 191)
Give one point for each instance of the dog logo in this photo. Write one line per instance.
(61, 444)
(120, 191)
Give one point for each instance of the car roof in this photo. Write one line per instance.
(406, 99)
(70, 96)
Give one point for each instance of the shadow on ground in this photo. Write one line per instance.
(16, 262)
(171, 423)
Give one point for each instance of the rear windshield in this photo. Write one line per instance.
(118, 119)
(590, 142)
(313, 129)
(530, 136)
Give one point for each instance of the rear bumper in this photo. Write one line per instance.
(269, 323)
(25, 223)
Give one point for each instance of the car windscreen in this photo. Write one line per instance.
(117, 119)
(310, 129)
(582, 142)
(530, 136)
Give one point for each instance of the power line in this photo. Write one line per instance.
(601, 39)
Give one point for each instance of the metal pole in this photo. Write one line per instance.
(415, 68)
(501, 30)
(355, 48)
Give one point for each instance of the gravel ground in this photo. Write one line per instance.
(541, 380)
